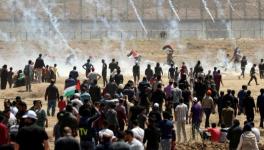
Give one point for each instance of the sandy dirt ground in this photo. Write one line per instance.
(151, 50)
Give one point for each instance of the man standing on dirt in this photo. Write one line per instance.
(52, 95)
(104, 72)
(253, 75)
(74, 73)
(241, 96)
(10, 77)
(87, 67)
(39, 64)
(149, 72)
(243, 66)
(136, 73)
(171, 72)
(28, 72)
(113, 65)
(4, 76)
(158, 70)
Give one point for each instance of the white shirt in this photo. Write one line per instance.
(12, 120)
(136, 145)
(256, 132)
(13, 110)
(78, 102)
(138, 133)
(181, 112)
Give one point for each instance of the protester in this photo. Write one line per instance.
(253, 75)
(249, 106)
(214, 132)
(52, 96)
(196, 116)
(31, 136)
(67, 142)
(260, 107)
(88, 67)
(181, 111)
(136, 73)
(132, 141)
(10, 77)
(208, 107)
(39, 65)
(247, 139)
(234, 134)
(167, 132)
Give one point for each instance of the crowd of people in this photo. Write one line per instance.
(134, 115)
(33, 72)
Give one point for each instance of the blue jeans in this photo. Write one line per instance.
(165, 144)
(52, 106)
(207, 112)
(195, 127)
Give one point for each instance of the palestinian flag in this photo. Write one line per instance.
(70, 91)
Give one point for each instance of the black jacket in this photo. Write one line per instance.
(52, 93)
(39, 63)
(233, 136)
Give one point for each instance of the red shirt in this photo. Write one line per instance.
(215, 134)
(61, 105)
(3, 134)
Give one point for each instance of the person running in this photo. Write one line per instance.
(253, 75)
(52, 95)
(88, 67)
(39, 65)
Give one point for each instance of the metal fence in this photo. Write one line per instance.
(137, 35)
(245, 18)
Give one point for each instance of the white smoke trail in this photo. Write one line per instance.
(54, 22)
(231, 5)
(138, 17)
(221, 13)
(207, 10)
(174, 10)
